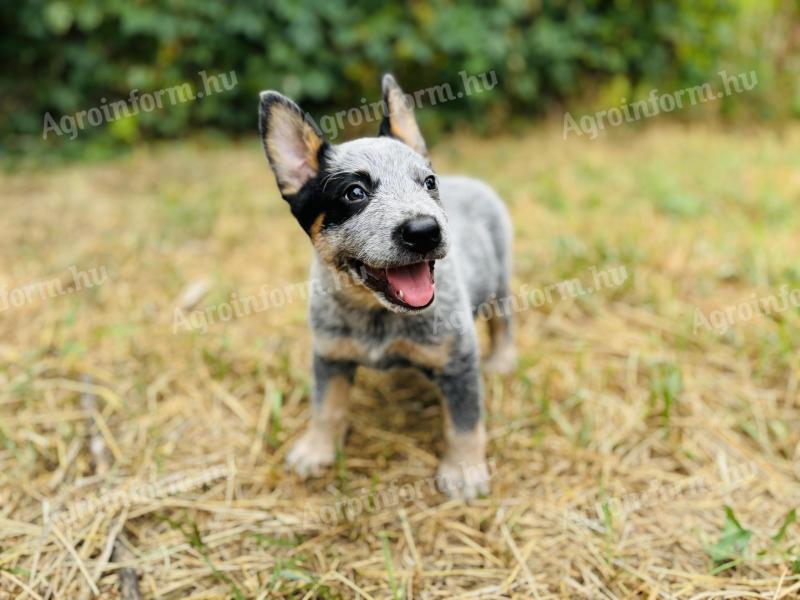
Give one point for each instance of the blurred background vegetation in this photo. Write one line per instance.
(63, 56)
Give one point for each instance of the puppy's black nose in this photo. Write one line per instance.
(420, 234)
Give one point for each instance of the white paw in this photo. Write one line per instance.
(463, 480)
(311, 454)
(502, 361)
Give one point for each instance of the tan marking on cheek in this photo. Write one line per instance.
(362, 295)
(345, 284)
(316, 226)
(433, 356)
(322, 245)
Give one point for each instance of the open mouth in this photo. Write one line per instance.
(410, 286)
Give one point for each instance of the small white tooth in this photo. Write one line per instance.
(400, 294)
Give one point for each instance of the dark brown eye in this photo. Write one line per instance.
(355, 193)
(430, 183)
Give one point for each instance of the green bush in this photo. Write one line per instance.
(64, 56)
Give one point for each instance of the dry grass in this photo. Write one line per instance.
(618, 443)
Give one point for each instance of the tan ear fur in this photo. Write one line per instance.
(291, 141)
(399, 121)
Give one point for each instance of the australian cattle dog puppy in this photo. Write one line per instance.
(403, 250)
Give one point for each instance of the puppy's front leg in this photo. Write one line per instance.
(316, 448)
(463, 472)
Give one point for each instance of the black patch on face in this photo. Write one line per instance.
(338, 207)
(326, 193)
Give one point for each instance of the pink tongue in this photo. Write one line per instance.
(412, 284)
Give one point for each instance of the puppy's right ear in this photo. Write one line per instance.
(292, 141)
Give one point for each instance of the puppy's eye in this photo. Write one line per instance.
(355, 193)
(430, 183)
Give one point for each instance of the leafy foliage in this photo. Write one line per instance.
(63, 56)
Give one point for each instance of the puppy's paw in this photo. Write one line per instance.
(311, 454)
(463, 480)
(502, 360)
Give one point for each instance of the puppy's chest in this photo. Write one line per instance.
(381, 345)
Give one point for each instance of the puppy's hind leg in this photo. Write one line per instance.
(316, 448)
(502, 357)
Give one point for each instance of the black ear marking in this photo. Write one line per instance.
(399, 121)
(292, 141)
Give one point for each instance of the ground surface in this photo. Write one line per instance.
(628, 428)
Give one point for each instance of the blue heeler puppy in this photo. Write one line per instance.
(381, 221)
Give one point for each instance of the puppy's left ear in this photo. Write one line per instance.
(292, 141)
(398, 121)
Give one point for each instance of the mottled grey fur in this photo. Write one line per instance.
(353, 325)
(475, 270)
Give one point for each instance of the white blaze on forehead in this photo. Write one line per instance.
(382, 158)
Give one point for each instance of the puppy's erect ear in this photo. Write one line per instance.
(399, 121)
(292, 141)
